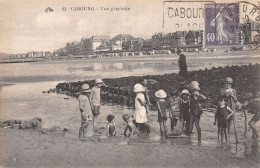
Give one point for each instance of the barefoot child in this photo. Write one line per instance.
(85, 109)
(140, 107)
(175, 108)
(95, 99)
(111, 127)
(254, 108)
(130, 125)
(185, 109)
(195, 112)
(162, 106)
(222, 115)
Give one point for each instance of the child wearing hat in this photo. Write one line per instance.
(130, 125)
(140, 107)
(111, 126)
(222, 115)
(195, 112)
(95, 98)
(162, 106)
(174, 100)
(185, 109)
(85, 110)
(231, 95)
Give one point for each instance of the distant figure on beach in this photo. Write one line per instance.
(111, 126)
(85, 110)
(231, 95)
(163, 106)
(141, 116)
(222, 115)
(95, 99)
(182, 64)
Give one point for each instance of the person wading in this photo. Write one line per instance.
(231, 95)
(85, 110)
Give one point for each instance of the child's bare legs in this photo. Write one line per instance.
(255, 134)
(161, 128)
(219, 131)
(147, 127)
(228, 129)
(165, 128)
(226, 135)
(221, 134)
(83, 130)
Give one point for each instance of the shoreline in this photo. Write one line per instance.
(218, 55)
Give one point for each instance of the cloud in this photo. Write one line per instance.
(52, 20)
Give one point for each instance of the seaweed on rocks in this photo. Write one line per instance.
(120, 90)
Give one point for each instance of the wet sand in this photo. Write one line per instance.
(32, 149)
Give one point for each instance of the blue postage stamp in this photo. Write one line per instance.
(222, 24)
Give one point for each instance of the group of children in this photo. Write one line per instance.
(182, 109)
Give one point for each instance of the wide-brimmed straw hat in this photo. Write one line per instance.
(161, 94)
(97, 81)
(85, 88)
(194, 85)
(184, 91)
(138, 88)
(229, 80)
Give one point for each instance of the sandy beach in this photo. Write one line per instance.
(33, 149)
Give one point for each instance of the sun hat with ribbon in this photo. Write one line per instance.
(138, 88)
(194, 85)
(184, 91)
(97, 81)
(229, 80)
(161, 94)
(85, 88)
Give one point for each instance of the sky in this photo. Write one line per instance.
(25, 26)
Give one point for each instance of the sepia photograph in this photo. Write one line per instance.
(129, 83)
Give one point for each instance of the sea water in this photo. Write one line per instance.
(24, 98)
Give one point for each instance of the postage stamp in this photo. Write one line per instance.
(222, 24)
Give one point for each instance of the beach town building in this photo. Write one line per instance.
(133, 44)
(249, 31)
(194, 37)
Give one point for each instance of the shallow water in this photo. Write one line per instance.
(57, 111)
(25, 100)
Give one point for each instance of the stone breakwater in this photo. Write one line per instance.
(246, 80)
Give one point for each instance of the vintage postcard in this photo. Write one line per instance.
(129, 83)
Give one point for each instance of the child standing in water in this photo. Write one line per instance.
(185, 109)
(175, 107)
(95, 99)
(85, 110)
(130, 125)
(222, 115)
(195, 112)
(111, 126)
(140, 107)
(162, 106)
